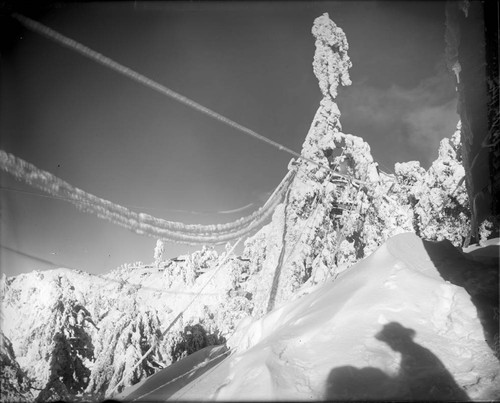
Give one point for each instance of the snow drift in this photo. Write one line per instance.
(391, 327)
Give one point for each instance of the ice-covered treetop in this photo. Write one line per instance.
(331, 62)
(331, 66)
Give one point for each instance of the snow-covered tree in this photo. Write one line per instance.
(57, 307)
(14, 383)
(199, 262)
(317, 228)
(194, 338)
(437, 197)
(126, 333)
(71, 355)
(159, 252)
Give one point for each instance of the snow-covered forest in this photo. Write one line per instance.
(344, 263)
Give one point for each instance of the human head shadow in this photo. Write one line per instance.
(479, 279)
(422, 376)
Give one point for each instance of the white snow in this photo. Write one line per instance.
(345, 329)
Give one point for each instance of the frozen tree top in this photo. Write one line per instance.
(331, 61)
(331, 66)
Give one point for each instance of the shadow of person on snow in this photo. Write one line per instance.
(422, 376)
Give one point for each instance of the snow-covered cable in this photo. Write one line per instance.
(269, 205)
(206, 212)
(100, 58)
(153, 344)
(140, 223)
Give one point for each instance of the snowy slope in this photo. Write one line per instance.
(388, 328)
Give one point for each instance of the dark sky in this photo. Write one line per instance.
(249, 61)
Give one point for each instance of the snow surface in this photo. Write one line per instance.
(163, 384)
(390, 327)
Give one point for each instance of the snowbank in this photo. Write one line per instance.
(388, 328)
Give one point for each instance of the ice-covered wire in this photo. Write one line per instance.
(60, 189)
(140, 223)
(106, 61)
(206, 212)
